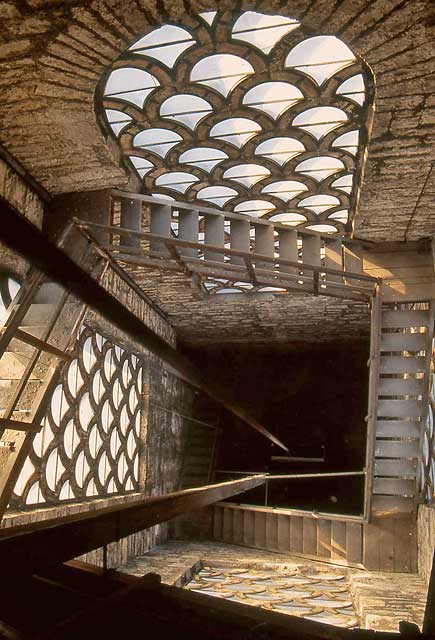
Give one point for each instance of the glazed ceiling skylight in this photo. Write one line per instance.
(246, 113)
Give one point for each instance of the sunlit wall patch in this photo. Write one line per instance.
(230, 109)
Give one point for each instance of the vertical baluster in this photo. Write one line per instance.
(188, 226)
(288, 249)
(239, 238)
(214, 234)
(264, 244)
(311, 255)
(333, 259)
(131, 218)
(160, 225)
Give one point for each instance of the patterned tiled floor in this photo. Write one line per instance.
(301, 590)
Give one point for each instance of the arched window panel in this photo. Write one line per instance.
(176, 181)
(186, 109)
(165, 44)
(76, 456)
(289, 219)
(247, 174)
(252, 99)
(262, 31)
(205, 158)
(221, 72)
(273, 98)
(254, 208)
(130, 85)
(319, 203)
(235, 131)
(353, 88)
(319, 121)
(280, 150)
(320, 58)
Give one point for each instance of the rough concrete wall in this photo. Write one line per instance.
(19, 195)
(425, 540)
(53, 54)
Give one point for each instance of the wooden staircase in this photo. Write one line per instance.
(198, 455)
(404, 364)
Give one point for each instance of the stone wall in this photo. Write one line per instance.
(425, 540)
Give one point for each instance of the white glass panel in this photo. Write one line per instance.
(247, 174)
(131, 85)
(344, 183)
(205, 158)
(319, 121)
(176, 181)
(255, 208)
(320, 57)
(262, 31)
(117, 120)
(285, 190)
(221, 72)
(208, 16)
(164, 44)
(280, 150)
(322, 228)
(291, 219)
(320, 167)
(353, 88)
(235, 131)
(186, 109)
(319, 203)
(216, 195)
(273, 97)
(158, 141)
(348, 142)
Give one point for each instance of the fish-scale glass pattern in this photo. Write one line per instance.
(226, 109)
(89, 445)
(427, 460)
(323, 596)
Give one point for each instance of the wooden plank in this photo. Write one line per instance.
(23, 336)
(218, 513)
(309, 545)
(324, 538)
(397, 449)
(284, 533)
(399, 408)
(260, 529)
(227, 526)
(396, 468)
(131, 218)
(38, 544)
(403, 341)
(407, 292)
(401, 387)
(386, 544)
(19, 425)
(237, 526)
(405, 545)
(248, 527)
(296, 534)
(371, 547)
(394, 487)
(272, 531)
(402, 364)
(334, 258)
(338, 540)
(404, 319)
(397, 429)
(390, 505)
(354, 549)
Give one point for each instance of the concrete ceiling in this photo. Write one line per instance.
(53, 53)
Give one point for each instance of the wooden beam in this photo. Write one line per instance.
(23, 237)
(31, 547)
(33, 341)
(20, 425)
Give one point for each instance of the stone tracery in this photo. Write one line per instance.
(246, 113)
